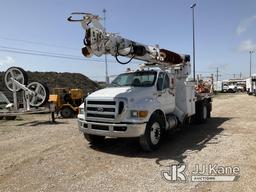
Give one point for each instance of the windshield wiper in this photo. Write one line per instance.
(115, 85)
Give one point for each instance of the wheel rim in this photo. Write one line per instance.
(66, 112)
(16, 74)
(204, 112)
(155, 132)
(40, 95)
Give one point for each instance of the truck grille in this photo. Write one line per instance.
(101, 111)
(101, 102)
(100, 115)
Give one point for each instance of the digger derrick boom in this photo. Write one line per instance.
(98, 42)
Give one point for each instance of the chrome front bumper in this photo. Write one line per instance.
(111, 129)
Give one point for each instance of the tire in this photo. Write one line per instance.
(66, 112)
(201, 112)
(209, 109)
(186, 124)
(153, 135)
(94, 139)
(11, 118)
(1, 117)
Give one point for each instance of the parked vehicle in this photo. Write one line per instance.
(146, 103)
(67, 101)
(232, 88)
(251, 85)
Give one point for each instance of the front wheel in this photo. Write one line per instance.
(151, 139)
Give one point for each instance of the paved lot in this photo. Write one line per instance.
(38, 156)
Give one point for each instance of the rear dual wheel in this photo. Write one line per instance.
(203, 112)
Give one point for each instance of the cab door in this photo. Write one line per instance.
(165, 95)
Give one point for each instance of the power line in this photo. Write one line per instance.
(48, 54)
(40, 43)
(37, 43)
(43, 52)
(205, 71)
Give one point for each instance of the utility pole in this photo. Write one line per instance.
(212, 78)
(251, 52)
(197, 78)
(240, 75)
(217, 74)
(193, 20)
(106, 60)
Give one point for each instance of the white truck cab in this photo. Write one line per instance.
(143, 104)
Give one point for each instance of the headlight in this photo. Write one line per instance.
(139, 114)
(81, 110)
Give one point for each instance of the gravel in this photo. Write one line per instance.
(36, 155)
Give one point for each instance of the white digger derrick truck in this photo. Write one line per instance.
(146, 103)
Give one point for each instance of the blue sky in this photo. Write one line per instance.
(225, 32)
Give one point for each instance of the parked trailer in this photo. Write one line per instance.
(218, 86)
(251, 85)
(34, 95)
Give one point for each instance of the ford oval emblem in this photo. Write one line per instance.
(100, 109)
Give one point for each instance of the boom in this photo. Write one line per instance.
(98, 42)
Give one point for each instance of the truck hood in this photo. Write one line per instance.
(120, 92)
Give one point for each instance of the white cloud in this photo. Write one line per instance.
(7, 61)
(247, 45)
(245, 24)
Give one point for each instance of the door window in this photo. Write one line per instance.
(163, 82)
(166, 84)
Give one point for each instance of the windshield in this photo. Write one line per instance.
(136, 79)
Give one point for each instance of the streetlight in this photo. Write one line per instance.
(193, 20)
(106, 61)
(251, 52)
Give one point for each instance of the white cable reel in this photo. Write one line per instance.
(41, 94)
(16, 73)
(16, 80)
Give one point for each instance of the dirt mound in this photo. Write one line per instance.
(55, 79)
